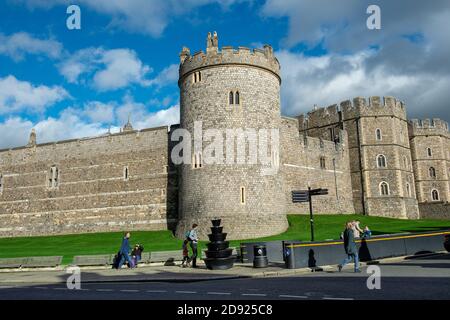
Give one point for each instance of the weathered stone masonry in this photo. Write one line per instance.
(365, 152)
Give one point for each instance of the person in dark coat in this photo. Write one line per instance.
(350, 248)
(124, 251)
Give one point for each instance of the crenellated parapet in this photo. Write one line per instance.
(260, 58)
(428, 126)
(349, 109)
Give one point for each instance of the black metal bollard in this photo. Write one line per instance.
(260, 257)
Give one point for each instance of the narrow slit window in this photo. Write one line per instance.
(231, 98)
(243, 195)
(126, 173)
(408, 190)
(429, 152)
(1, 183)
(432, 172)
(378, 135)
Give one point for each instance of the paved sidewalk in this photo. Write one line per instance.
(146, 274)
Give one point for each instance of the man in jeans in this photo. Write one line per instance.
(193, 239)
(124, 251)
(350, 248)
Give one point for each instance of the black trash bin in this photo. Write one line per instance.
(260, 257)
(288, 254)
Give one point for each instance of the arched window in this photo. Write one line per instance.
(384, 189)
(378, 135)
(231, 98)
(200, 161)
(237, 98)
(434, 195)
(381, 161)
(432, 172)
(429, 152)
(322, 163)
(408, 190)
(53, 177)
(197, 160)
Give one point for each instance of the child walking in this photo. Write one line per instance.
(186, 262)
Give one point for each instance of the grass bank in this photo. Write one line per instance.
(326, 227)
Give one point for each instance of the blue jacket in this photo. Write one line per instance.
(125, 247)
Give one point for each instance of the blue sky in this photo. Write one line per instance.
(124, 60)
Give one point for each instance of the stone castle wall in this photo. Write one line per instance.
(430, 148)
(360, 119)
(301, 166)
(92, 193)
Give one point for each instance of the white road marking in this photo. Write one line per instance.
(254, 294)
(6, 287)
(104, 290)
(291, 296)
(219, 293)
(331, 298)
(129, 290)
(186, 291)
(59, 288)
(156, 291)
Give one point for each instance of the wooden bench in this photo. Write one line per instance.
(167, 257)
(6, 263)
(145, 257)
(93, 260)
(37, 262)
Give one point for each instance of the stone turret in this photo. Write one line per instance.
(260, 58)
(128, 127)
(230, 90)
(32, 139)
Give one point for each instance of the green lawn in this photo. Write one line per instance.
(326, 227)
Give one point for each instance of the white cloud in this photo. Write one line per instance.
(94, 119)
(16, 95)
(14, 132)
(100, 112)
(334, 78)
(18, 45)
(110, 69)
(139, 16)
(123, 67)
(168, 75)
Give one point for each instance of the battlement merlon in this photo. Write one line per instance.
(348, 109)
(261, 58)
(426, 126)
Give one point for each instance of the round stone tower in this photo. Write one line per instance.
(227, 95)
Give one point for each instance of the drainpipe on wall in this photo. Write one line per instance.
(363, 191)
